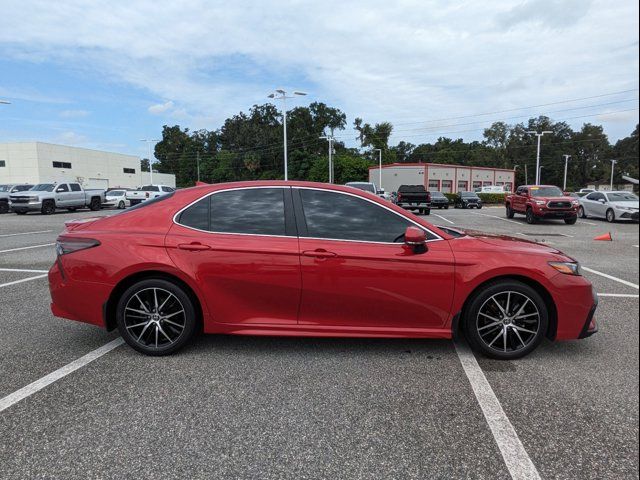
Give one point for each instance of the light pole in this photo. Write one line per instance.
(539, 135)
(566, 164)
(379, 150)
(515, 167)
(330, 139)
(539, 175)
(149, 142)
(280, 94)
(613, 165)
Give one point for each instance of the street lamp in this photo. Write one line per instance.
(613, 165)
(539, 135)
(379, 167)
(149, 142)
(539, 175)
(331, 140)
(566, 164)
(280, 94)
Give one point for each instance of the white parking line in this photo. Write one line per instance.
(515, 456)
(28, 279)
(445, 219)
(27, 248)
(499, 218)
(618, 295)
(25, 233)
(22, 270)
(589, 223)
(41, 383)
(611, 277)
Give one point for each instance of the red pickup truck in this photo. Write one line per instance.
(542, 201)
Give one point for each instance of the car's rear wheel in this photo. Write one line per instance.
(531, 218)
(4, 207)
(506, 320)
(95, 204)
(510, 212)
(611, 216)
(121, 205)
(581, 212)
(156, 317)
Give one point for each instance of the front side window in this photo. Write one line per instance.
(62, 188)
(337, 216)
(595, 196)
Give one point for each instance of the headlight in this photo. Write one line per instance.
(627, 209)
(575, 203)
(568, 268)
(540, 202)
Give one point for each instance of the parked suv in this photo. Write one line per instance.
(542, 201)
(47, 197)
(414, 197)
(8, 189)
(439, 200)
(467, 200)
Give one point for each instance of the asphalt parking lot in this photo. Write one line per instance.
(243, 407)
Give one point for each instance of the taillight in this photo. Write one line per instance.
(399, 197)
(65, 245)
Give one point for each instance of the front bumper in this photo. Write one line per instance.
(551, 213)
(626, 214)
(25, 207)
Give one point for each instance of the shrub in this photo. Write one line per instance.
(489, 198)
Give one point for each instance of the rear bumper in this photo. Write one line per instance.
(410, 205)
(79, 301)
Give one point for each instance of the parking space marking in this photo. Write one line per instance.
(619, 295)
(588, 223)
(25, 233)
(28, 279)
(22, 270)
(445, 219)
(611, 277)
(43, 382)
(27, 248)
(499, 218)
(515, 456)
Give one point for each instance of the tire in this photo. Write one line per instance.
(20, 212)
(611, 216)
(571, 221)
(446, 207)
(4, 207)
(531, 218)
(581, 212)
(71, 209)
(48, 208)
(510, 212)
(427, 211)
(95, 204)
(523, 335)
(479, 207)
(121, 205)
(139, 328)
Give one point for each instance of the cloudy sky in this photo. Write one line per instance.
(105, 74)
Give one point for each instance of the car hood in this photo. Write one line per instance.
(627, 203)
(515, 244)
(555, 199)
(27, 193)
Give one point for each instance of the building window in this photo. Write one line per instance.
(487, 184)
(3, 163)
(462, 185)
(447, 185)
(66, 165)
(508, 187)
(129, 170)
(477, 184)
(434, 185)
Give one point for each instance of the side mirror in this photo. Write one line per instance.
(602, 201)
(416, 239)
(59, 189)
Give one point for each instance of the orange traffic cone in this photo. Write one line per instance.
(605, 237)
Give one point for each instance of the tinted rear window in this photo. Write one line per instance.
(411, 189)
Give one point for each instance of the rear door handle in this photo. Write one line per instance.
(194, 246)
(319, 253)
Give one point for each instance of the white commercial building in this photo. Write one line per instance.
(38, 162)
(438, 177)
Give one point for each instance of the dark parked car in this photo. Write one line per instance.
(414, 197)
(467, 200)
(439, 200)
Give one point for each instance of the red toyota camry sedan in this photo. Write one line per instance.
(309, 259)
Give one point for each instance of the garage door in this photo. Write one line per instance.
(96, 183)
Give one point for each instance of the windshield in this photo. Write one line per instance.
(367, 187)
(43, 187)
(468, 195)
(546, 192)
(150, 188)
(622, 197)
(116, 193)
(437, 195)
(4, 188)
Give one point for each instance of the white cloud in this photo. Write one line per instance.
(70, 138)
(74, 113)
(397, 61)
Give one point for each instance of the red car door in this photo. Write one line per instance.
(357, 272)
(242, 251)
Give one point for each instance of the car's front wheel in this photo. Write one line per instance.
(571, 221)
(121, 205)
(531, 217)
(156, 317)
(506, 320)
(611, 216)
(581, 212)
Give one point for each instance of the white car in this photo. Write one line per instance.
(148, 192)
(369, 187)
(117, 199)
(610, 205)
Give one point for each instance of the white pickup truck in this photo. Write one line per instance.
(147, 192)
(46, 198)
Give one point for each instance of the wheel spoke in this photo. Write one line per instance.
(172, 314)
(494, 340)
(142, 303)
(157, 328)
(494, 324)
(526, 316)
(164, 303)
(138, 311)
(489, 317)
(521, 309)
(137, 325)
(524, 329)
(506, 309)
(173, 323)
(499, 306)
(504, 336)
(163, 333)
(519, 337)
(155, 299)
(143, 330)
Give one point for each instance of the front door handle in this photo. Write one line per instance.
(193, 246)
(319, 253)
